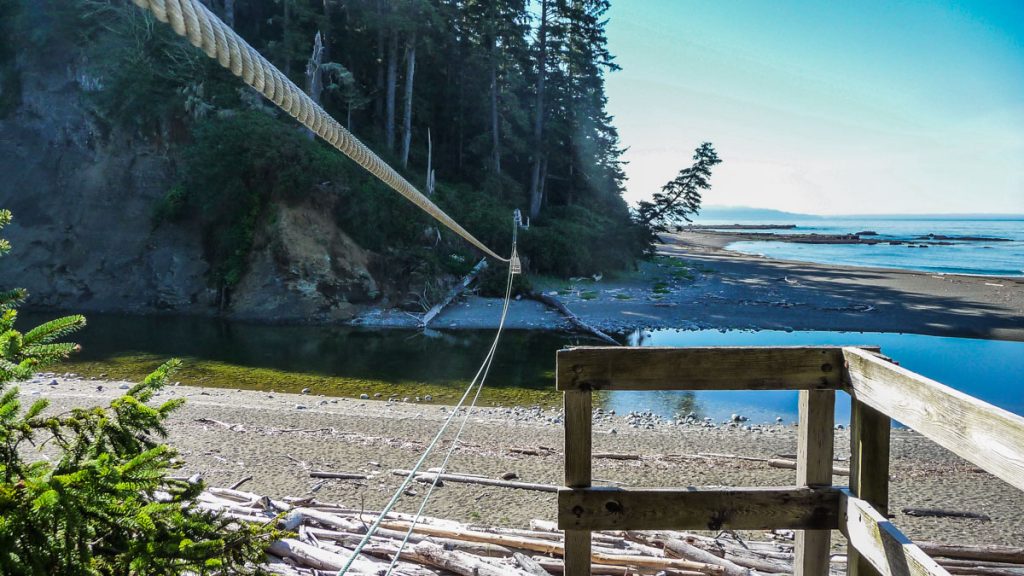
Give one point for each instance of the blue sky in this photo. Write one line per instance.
(826, 107)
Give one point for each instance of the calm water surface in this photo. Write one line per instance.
(348, 362)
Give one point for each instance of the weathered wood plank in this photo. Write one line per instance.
(977, 431)
(870, 435)
(698, 508)
(578, 424)
(712, 368)
(881, 544)
(869, 470)
(987, 553)
(814, 468)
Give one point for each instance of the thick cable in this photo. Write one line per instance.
(193, 20)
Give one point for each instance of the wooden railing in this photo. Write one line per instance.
(988, 436)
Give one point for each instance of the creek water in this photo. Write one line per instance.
(410, 364)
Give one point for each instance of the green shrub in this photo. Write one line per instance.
(104, 505)
(233, 168)
(480, 212)
(146, 78)
(575, 241)
(237, 165)
(494, 280)
(372, 213)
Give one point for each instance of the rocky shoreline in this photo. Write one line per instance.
(696, 284)
(866, 237)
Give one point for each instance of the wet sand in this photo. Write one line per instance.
(278, 442)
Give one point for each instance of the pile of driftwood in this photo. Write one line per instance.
(325, 536)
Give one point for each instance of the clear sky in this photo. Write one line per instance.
(826, 107)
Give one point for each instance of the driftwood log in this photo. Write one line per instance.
(337, 475)
(943, 513)
(455, 291)
(573, 318)
(468, 479)
(1009, 554)
(324, 536)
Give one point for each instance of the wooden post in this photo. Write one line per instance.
(577, 474)
(869, 470)
(814, 468)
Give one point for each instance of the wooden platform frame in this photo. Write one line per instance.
(880, 390)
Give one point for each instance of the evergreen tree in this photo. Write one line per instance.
(680, 198)
(512, 92)
(104, 506)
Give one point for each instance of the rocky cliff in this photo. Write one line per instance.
(83, 196)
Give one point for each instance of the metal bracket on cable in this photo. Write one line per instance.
(517, 223)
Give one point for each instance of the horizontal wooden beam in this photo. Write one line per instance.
(711, 368)
(976, 431)
(881, 544)
(796, 508)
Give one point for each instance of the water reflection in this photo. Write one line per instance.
(523, 369)
(991, 370)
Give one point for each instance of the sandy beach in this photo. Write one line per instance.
(278, 438)
(722, 289)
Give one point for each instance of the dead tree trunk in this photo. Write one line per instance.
(430, 165)
(229, 13)
(286, 37)
(544, 179)
(572, 317)
(326, 31)
(455, 291)
(410, 71)
(378, 103)
(536, 186)
(495, 134)
(314, 78)
(392, 81)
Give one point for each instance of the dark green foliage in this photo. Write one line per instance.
(104, 504)
(238, 164)
(233, 168)
(483, 213)
(476, 82)
(373, 214)
(575, 241)
(680, 197)
(494, 279)
(140, 74)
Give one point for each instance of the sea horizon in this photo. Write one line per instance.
(1003, 258)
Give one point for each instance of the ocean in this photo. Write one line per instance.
(979, 258)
